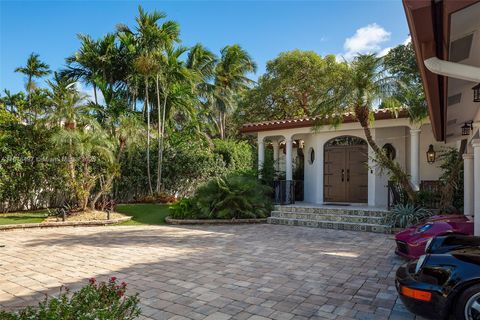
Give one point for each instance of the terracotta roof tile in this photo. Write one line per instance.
(380, 114)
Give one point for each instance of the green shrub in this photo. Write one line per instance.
(30, 177)
(104, 300)
(184, 209)
(188, 162)
(406, 215)
(237, 155)
(236, 196)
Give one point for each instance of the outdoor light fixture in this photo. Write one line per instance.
(467, 128)
(431, 154)
(476, 93)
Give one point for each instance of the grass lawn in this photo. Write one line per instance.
(144, 213)
(23, 217)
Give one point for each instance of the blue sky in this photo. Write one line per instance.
(263, 28)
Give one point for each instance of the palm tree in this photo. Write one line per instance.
(365, 83)
(201, 61)
(79, 136)
(172, 73)
(34, 68)
(125, 131)
(83, 65)
(85, 143)
(68, 107)
(99, 63)
(230, 79)
(146, 66)
(151, 40)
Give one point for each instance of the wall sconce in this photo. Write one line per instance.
(431, 154)
(476, 93)
(467, 128)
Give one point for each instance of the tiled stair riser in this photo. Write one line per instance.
(338, 211)
(331, 218)
(328, 217)
(331, 225)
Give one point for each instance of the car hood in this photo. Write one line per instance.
(440, 225)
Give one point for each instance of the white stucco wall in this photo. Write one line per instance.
(430, 171)
(396, 136)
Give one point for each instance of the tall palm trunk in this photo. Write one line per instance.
(159, 139)
(148, 138)
(30, 90)
(160, 162)
(362, 115)
(95, 93)
(220, 123)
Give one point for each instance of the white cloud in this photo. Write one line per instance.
(407, 41)
(367, 39)
(384, 51)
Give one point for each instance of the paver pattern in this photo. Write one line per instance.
(212, 272)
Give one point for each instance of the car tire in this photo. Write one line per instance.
(468, 298)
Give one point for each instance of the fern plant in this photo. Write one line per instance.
(406, 215)
(236, 196)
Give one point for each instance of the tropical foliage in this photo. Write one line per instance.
(146, 87)
(291, 87)
(406, 215)
(235, 196)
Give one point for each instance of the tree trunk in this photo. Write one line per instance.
(159, 133)
(85, 187)
(106, 186)
(109, 182)
(220, 122)
(95, 93)
(162, 140)
(400, 176)
(148, 138)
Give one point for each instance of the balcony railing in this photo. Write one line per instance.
(284, 192)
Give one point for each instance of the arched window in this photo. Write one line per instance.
(345, 141)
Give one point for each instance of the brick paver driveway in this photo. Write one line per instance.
(212, 272)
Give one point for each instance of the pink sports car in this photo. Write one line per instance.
(411, 242)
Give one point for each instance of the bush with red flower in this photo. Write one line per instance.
(97, 300)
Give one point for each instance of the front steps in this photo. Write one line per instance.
(345, 218)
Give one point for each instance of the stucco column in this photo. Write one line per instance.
(288, 159)
(261, 155)
(468, 184)
(276, 147)
(476, 184)
(415, 158)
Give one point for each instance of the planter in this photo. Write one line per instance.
(212, 221)
(41, 225)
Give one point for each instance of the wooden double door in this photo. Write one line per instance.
(346, 174)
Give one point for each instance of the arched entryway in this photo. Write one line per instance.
(346, 170)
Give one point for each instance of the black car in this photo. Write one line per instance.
(445, 281)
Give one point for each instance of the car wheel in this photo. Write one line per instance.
(468, 304)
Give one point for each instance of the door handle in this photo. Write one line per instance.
(348, 175)
(343, 175)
